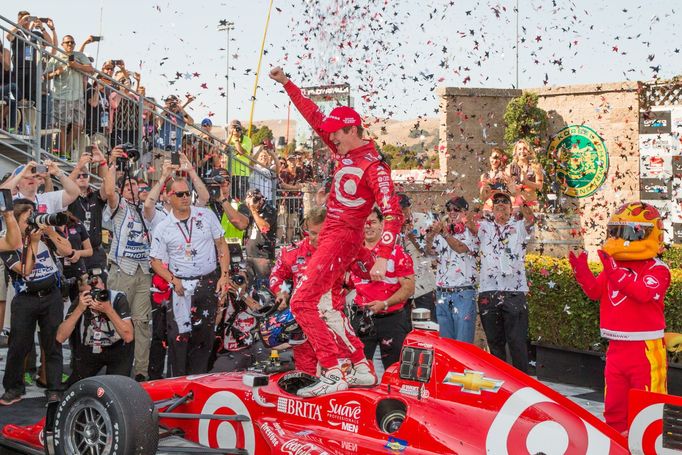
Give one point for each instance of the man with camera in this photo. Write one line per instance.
(450, 240)
(68, 92)
(25, 181)
(261, 235)
(36, 279)
(240, 161)
(100, 330)
(129, 253)
(188, 240)
(170, 132)
(233, 215)
(89, 205)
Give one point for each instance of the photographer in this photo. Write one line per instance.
(25, 181)
(240, 345)
(35, 277)
(171, 128)
(129, 253)
(100, 331)
(233, 215)
(188, 240)
(261, 235)
(240, 161)
(455, 247)
(89, 206)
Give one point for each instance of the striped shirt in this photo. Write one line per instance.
(130, 245)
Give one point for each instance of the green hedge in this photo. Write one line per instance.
(560, 314)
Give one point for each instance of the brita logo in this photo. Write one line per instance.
(299, 408)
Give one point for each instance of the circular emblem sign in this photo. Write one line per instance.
(582, 158)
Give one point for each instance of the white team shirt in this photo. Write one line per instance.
(188, 247)
(503, 256)
(50, 202)
(456, 269)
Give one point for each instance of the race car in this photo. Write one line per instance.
(443, 397)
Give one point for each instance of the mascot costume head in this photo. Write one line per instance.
(634, 233)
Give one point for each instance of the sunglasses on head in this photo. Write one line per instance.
(182, 193)
(629, 232)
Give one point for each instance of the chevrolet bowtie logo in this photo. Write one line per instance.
(473, 382)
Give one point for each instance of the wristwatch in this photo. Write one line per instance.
(224, 200)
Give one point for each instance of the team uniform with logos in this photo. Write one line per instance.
(390, 327)
(631, 318)
(361, 179)
(37, 300)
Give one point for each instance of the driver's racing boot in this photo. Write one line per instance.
(362, 375)
(331, 380)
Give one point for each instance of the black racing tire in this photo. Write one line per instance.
(106, 415)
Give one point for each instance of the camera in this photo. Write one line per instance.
(100, 295)
(6, 202)
(39, 169)
(39, 220)
(132, 155)
(213, 185)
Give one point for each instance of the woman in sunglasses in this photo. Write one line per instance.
(630, 289)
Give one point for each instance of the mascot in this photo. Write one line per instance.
(630, 289)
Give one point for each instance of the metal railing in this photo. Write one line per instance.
(50, 110)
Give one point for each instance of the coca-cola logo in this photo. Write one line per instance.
(344, 411)
(296, 447)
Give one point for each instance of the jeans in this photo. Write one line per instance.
(456, 314)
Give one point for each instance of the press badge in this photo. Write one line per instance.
(104, 119)
(28, 53)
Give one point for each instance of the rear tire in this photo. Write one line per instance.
(106, 415)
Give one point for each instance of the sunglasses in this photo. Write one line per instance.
(501, 201)
(182, 193)
(68, 42)
(83, 176)
(630, 232)
(144, 189)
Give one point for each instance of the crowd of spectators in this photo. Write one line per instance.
(203, 234)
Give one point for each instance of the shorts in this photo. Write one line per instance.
(3, 282)
(66, 112)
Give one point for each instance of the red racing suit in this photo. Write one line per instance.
(361, 179)
(631, 307)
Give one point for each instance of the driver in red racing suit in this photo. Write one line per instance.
(361, 179)
(631, 289)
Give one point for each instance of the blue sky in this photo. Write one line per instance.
(393, 54)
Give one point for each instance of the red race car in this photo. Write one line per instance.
(443, 397)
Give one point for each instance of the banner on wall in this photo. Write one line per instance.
(654, 122)
(583, 160)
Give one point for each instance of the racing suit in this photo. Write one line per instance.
(361, 179)
(631, 317)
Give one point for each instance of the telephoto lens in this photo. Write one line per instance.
(101, 295)
(52, 219)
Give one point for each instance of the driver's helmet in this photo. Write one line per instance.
(280, 328)
(634, 232)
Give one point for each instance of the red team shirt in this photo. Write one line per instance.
(399, 265)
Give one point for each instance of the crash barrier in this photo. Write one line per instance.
(39, 117)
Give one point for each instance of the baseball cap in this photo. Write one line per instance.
(457, 202)
(500, 197)
(340, 117)
(235, 123)
(206, 122)
(404, 200)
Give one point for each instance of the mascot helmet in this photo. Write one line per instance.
(634, 232)
(280, 328)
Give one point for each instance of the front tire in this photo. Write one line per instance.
(106, 415)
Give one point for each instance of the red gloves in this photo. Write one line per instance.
(615, 274)
(583, 275)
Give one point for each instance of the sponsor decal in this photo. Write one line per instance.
(395, 445)
(651, 281)
(299, 408)
(472, 382)
(272, 437)
(584, 161)
(345, 194)
(349, 120)
(100, 392)
(296, 447)
(387, 238)
(278, 428)
(225, 434)
(414, 391)
(347, 415)
(347, 161)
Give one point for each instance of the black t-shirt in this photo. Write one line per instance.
(76, 234)
(89, 323)
(23, 55)
(97, 118)
(89, 209)
(258, 244)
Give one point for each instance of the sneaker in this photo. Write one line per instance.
(28, 379)
(330, 381)
(362, 375)
(10, 397)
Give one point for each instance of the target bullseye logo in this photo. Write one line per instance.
(226, 434)
(646, 432)
(346, 183)
(531, 420)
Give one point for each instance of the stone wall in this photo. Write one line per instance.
(471, 123)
